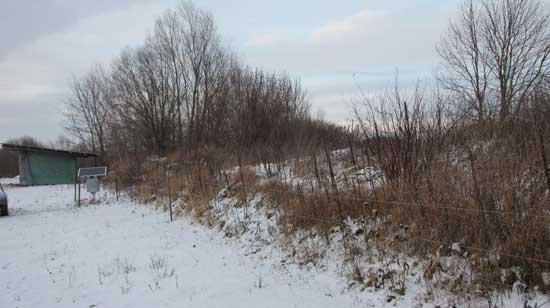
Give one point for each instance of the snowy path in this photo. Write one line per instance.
(126, 255)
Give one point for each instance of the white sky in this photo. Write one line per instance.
(321, 42)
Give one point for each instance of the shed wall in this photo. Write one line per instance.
(25, 176)
(47, 169)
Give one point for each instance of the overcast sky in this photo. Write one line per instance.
(322, 42)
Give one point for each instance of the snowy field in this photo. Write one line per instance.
(123, 254)
(120, 254)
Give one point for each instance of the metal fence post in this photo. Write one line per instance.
(169, 198)
(116, 188)
(78, 191)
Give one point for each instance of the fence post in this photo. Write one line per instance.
(169, 198)
(78, 191)
(75, 181)
(116, 188)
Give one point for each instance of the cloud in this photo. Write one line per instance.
(375, 42)
(34, 74)
(335, 108)
(16, 82)
(352, 25)
(261, 40)
(363, 41)
(41, 119)
(24, 21)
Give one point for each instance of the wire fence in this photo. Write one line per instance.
(370, 201)
(336, 221)
(352, 193)
(434, 206)
(431, 241)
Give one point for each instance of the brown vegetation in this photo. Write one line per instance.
(462, 172)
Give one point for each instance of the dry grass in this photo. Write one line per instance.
(480, 189)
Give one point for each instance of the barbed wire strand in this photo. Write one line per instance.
(421, 205)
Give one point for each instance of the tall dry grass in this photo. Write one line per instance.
(433, 185)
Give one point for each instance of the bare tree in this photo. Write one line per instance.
(498, 48)
(142, 101)
(200, 41)
(87, 109)
(168, 31)
(464, 59)
(518, 42)
(184, 86)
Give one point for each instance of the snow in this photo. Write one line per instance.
(125, 254)
(9, 181)
(122, 254)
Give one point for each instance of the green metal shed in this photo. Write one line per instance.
(41, 166)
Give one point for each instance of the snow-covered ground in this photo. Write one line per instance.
(122, 254)
(9, 181)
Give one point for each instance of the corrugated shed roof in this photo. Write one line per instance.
(22, 148)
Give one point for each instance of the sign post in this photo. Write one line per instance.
(92, 176)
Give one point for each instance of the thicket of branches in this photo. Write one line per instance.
(469, 163)
(183, 89)
(494, 55)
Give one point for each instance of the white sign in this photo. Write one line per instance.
(92, 185)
